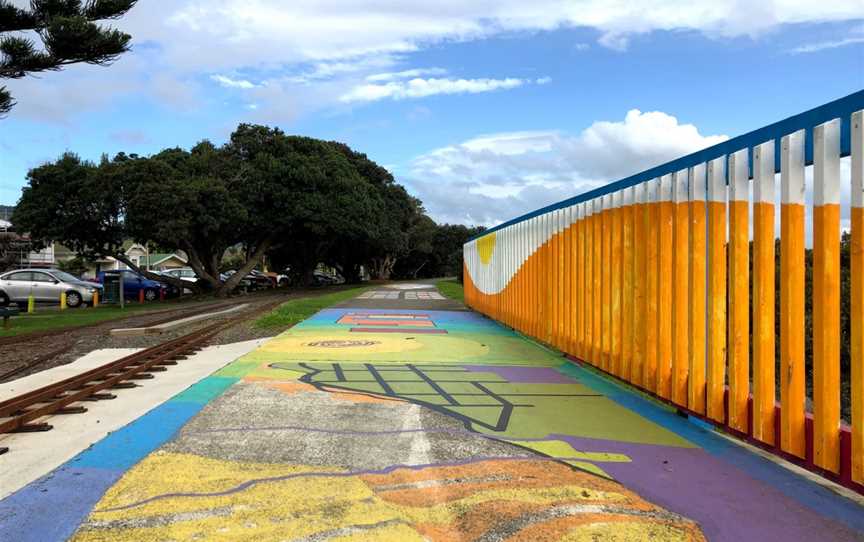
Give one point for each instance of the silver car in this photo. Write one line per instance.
(45, 285)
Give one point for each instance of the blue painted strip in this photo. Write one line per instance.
(809, 494)
(838, 109)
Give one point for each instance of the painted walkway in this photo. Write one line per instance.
(401, 416)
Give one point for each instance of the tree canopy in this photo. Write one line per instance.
(300, 201)
(69, 33)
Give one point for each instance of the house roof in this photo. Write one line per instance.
(156, 259)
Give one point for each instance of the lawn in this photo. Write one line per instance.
(451, 288)
(297, 310)
(53, 319)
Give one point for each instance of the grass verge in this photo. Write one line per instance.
(297, 310)
(451, 288)
(53, 319)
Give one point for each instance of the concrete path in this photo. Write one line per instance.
(398, 417)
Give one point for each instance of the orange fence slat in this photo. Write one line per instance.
(680, 289)
(665, 259)
(792, 294)
(857, 301)
(738, 335)
(826, 296)
(697, 285)
(764, 389)
(716, 244)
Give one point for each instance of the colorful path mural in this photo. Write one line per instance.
(360, 424)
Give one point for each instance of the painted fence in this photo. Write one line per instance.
(651, 280)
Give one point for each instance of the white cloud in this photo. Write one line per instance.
(815, 47)
(405, 74)
(492, 178)
(228, 82)
(420, 88)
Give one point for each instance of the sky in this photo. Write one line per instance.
(484, 109)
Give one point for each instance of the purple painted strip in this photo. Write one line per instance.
(406, 330)
(526, 375)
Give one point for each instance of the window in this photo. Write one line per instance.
(21, 276)
(42, 277)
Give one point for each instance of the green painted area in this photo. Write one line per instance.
(490, 404)
(452, 289)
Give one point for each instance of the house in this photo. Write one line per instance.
(55, 254)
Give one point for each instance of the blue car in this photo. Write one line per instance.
(133, 284)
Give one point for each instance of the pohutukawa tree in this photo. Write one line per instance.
(69, 33)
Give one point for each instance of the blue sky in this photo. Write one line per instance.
(483, 111)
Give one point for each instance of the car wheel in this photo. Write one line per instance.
(150, 295)
(4, 299)
(73, 299)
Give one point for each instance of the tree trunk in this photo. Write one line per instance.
(225, 288)
(180, 283)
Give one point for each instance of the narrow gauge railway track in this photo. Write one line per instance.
(21, 414)
(16, 339)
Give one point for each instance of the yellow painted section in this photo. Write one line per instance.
(665, 258)
(627, 300)
(680, 303)
(716, 374)
(562, 449)
(636, 532)
(738, 336)
(857, 346)
(763, 322)
(486, 247)
(698, 307)
(279, 509)
(826, 336)
(652, 269)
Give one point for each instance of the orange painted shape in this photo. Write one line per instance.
(792, 329)
(738, 336)
(763, 322)
(826, 336)
(680, 303)
(568, 287)
(857, 346)
(716, 373)
(664, 298)
(578, 289)
(698, 307)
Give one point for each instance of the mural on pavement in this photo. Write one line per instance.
(363, 424)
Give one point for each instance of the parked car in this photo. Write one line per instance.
(182, 273)
(134, 284)
(255, 280)
(46, 286)
(323, 279)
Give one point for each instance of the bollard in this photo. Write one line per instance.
(161, 294)
(63, 301)
(31, 304)
(141, 296)
(95, 302)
